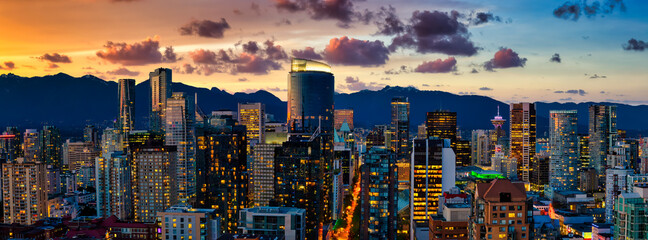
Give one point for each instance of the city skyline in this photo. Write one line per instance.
(256, 34)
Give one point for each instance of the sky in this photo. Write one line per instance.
(524, 50)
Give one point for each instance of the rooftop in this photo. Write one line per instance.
(305, 65)
(278, 210)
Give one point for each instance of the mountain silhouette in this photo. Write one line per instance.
(70, 103)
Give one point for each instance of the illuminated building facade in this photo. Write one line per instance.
(310, 97)
(91, 135)
(126, 91)
(615, 184)
(51, 146)
(583, 149)
(602, 135)
(114, 190)
(252, 116)
(563, 143)
(432, 171)
(288, 223)
(480, 147)
(10, 144)
(154, 180)
(301, 181)
(32, 145)
(523, 137)
(630, 220)
(79, 154)
(342, 116)
(462, 150)
(540, 173)
(379, 195)
(223, 175)
(500, 211)
(442, 125)
(161, 89)
(400, 111)
(180, 132)
(263, 174)
(185, 222)
(24, 191)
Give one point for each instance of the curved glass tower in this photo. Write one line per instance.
(310, 96)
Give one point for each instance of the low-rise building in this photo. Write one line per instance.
(285, 222)
(185, 222)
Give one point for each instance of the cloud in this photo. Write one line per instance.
(351, 51)
(52, 65)
(123, 71)
(55, 58)
(205, 28)
(438, 66)
(139, 53)
(251, 47)
(635, 45)
(482, 18)
(307, 53)
(255, 7)
(341, 10)
(573, 91)
(573, 10)
(566, 99)
(9, 65)
(253, 59)
(505, 58)
(268, 89)
(237, 12)
(402, 69)
(485, 89)
(388, 22)
(354, 84)
(436, 32)
(555, 58)
(242, 79)
(596, 76)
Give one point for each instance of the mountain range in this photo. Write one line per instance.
(70, 103)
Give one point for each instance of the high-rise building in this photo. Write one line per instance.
(126, 91)
(24, 191)
(281, 222)
(523, 137)
(540, 172)
(432, 171)
(252, 116)
(51, 146)
(263, 174)
(505, 165)
(10, 144)
(31, 146)
(161, 89)
(310, 97)
(588, 180)
(180, 132)
(79, 154)
(301, 182)
(185, 222)
(631, 218)
(615, 184)
(480, 147)
(563, 142)
(91, 134)
(583, 149)
(442, 125)
(379, 195)
(154, 180)
(462, 151)
(223, 176)
(602, 135)
(500, 211)
(342, 116)
(114, 190)
(400, 111)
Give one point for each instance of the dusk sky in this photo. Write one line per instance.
(523, 50)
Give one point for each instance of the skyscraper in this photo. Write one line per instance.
(126, 91)
(223, 177)
(310, 97)
(379, 195)
(51, 146)
(523, 137)
(263, 174)
(602, 135)
(615, 184)
(432, 171)
(10, 144)
(480, 147)
(24, 191)
(113, 183)
(154, 180)
(252, 116)
(161, 89)
(400, 126)
(31, 145)
(498, 135)
(563, 144)
(91, 135)
(442, 125)
(180, 132)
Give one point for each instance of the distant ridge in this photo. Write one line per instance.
(70, 103)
